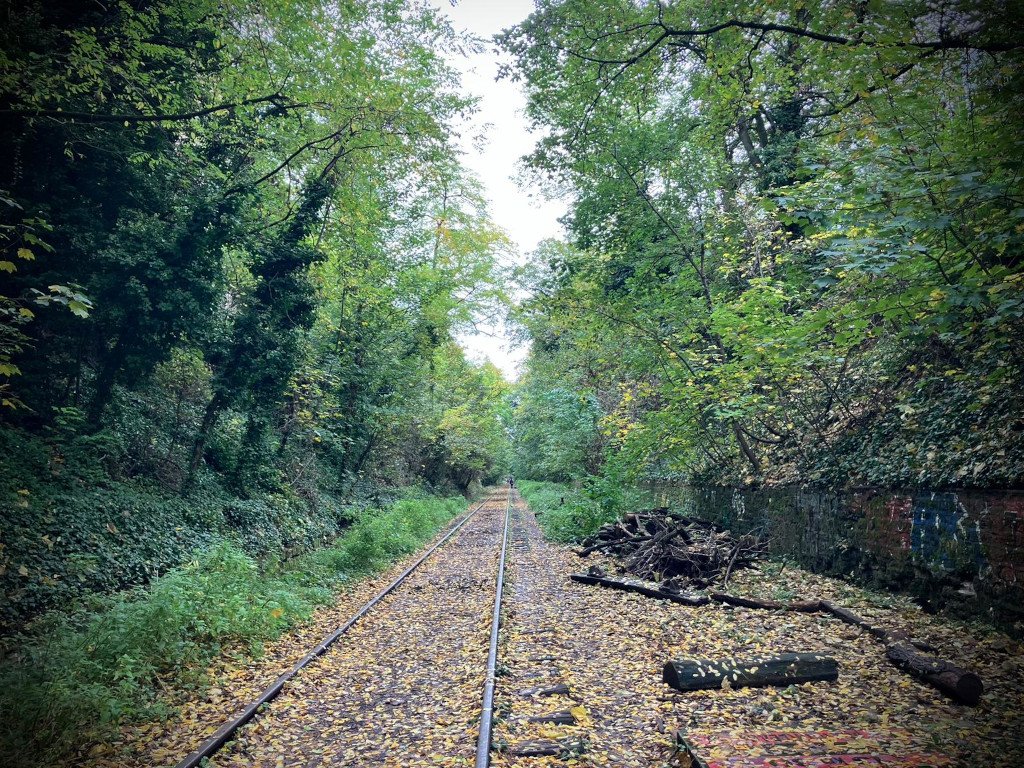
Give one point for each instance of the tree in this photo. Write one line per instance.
(779, 211)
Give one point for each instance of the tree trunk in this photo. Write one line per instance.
(213, 409)
(105, 380)
(786, 669)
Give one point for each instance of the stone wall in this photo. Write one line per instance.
(962, 551)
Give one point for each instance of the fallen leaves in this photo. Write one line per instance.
(403, 689)
(614, 643)
(193, 716)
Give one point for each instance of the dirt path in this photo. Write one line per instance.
(403, 687)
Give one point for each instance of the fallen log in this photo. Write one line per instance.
(641, 589)
(785, 669)
(959, 684)
(885, 635)
(803, 606)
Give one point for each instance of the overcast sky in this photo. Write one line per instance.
(526, 220)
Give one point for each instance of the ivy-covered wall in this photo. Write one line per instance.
(958, 550)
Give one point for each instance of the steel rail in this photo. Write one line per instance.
(223, 734)
(483, 742)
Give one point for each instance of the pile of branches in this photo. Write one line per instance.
(679, 551)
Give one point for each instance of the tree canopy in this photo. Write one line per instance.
(795, 236)
(258, 206)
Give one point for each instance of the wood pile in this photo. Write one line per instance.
(662, 546)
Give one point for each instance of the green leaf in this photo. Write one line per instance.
(78, 308)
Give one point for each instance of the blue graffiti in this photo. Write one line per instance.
(943, 535)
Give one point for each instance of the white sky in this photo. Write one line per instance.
(527, 220)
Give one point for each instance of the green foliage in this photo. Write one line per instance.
(561, 510)
(378, 537)
(273, 270)
(240, 245)
(80, 673)
(794, 242)
(555, 431)
(567, 513)
(71, 529)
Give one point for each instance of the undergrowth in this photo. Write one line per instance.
(80, 673)
(568, 514)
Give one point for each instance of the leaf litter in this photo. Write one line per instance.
(237, 678)
(609, 647)
(403, 688)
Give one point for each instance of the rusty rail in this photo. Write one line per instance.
(223, 734)
(483, 743)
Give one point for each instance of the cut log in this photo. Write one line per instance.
(785, 669)
(640, 589)
(959, 684)
(804, 606)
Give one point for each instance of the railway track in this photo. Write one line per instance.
(477, 540)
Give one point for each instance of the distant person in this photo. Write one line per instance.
(511, 482)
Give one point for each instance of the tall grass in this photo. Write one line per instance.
(79, 674)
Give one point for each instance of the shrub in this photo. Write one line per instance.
(568, 514)
(84, 671)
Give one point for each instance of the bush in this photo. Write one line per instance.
(86, 670)
(567, 514)
(71, 528)
(379, 536)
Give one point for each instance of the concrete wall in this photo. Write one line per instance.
(962, 551)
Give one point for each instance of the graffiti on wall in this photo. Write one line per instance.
(966, 537)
